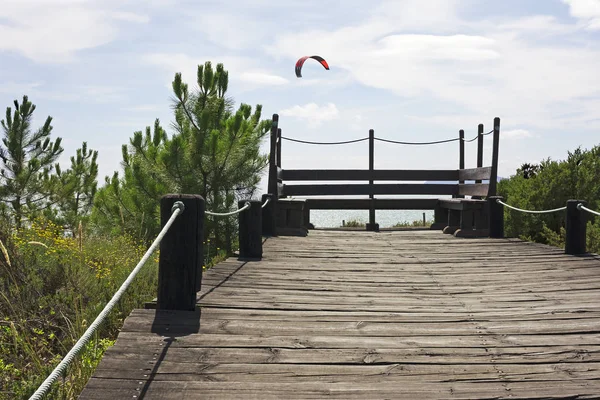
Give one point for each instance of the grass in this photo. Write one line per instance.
(415, 224)
(51, 289)
(353, 223)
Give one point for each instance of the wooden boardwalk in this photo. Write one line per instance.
(403, 315)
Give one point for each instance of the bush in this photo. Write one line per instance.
(52, 287)
(549, 185)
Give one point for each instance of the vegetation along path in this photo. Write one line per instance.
(410, 314)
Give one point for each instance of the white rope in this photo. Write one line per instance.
(265, 203)
(581, 207)
(246, 206)
(530, 211)
(177, 209)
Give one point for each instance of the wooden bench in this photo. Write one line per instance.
(458, 215)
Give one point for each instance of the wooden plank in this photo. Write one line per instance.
(365, 175)
(473, 189)
(364, 204)
(365, 189)
(372, 315)
(470, 174)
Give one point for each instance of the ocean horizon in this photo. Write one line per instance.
(385, 218)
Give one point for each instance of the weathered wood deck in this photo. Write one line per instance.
(409, 315)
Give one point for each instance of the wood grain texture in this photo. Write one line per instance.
(355, 315)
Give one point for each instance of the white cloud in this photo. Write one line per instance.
(263, 78)
(241, 69)
(588, 11)
(53, 31)
(516, 134)
(312, 113)
(487, 69)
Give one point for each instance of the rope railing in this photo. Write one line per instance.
(531, 211)
(582, 207)
(325, 143)
(417, 143)
(227, 214)
(177, 209)
(386, 140)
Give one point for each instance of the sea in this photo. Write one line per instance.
(385, 218)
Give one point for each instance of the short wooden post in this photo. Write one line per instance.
(372, 225)
(250, 232)
(495, 217)
(181, 253)
(576, 228)
(269, 224)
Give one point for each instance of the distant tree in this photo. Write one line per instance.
(76, 187)
(27, 160)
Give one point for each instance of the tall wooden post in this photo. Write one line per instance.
(576, 228)
(372, 225)
(479, 148)
(495, 145)
(461, 155)
(479, 153)
(250, 232)
(279, 147)
(272, 185)
(181, 253)
(496, 217)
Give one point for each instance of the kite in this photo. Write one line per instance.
(300, 63)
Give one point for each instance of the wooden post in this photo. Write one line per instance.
(495, 145)
(495, 217)
(268, 222)
(181, 253)
(576, 228)
(461, 155)
(372, 225)
(479, 148)
(479, 154)
(279, 147)
(250, 232)
(273, 183)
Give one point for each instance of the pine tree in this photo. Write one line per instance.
(214, 150)
(26, 162)
(76, 187)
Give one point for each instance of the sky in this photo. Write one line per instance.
(412, 70)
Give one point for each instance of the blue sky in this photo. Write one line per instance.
(412, 70)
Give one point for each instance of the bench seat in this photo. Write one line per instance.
(462, 217)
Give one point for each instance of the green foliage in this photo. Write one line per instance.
(214, 151)
(51, 288)
(32, 183)
(27, 159)
(75, 188)
(549, 185)
(416, 223)
(353, 223)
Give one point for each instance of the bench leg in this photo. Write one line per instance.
(440, 218)
(453, 222)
